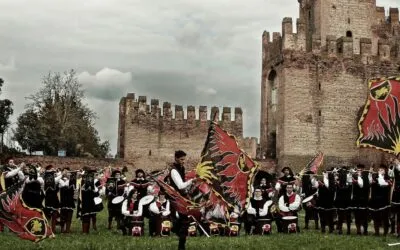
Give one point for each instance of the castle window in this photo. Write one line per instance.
(349, 33)
(319, 86)
(348, 20)
(319, 112)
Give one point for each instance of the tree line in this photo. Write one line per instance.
(56, 118)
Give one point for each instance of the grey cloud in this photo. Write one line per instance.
(198, 52)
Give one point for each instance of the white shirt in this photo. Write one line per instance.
(292, 206)
(154, 208)
(262, 211)
(126, 212)
(176, 178)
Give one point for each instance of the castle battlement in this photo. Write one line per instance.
(175, 117)
(154, 127)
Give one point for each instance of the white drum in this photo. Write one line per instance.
(308, 199)
(97, 200)
(118, 200)
(146, 200)
(289, 224)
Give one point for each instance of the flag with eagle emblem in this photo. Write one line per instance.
(379, 125)
(28, 223)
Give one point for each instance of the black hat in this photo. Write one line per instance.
(360, 166)
(309, 172)
(114, 172)
(49, 168)
(140, 171)
(382, 166)
(286, 168)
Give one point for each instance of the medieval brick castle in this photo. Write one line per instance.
(314, 81)
(150, 131)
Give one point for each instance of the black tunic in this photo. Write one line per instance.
(325, 197)
(257, 205)
(87, 202)
(51, 192)
(67, 197)
(361, 195)
(32, 194)
(343, 197)
(396, 190)
(379, 196)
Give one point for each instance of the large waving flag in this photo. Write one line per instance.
(379, 125)
(28, 223)
(227, 169)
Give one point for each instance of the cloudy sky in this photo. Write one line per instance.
(187, 52)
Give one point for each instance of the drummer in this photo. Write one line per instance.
(132, 210)
(289, 203)
(115, 191)
(257, 210)
(160, 209)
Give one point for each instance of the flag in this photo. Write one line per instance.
(28, 223)
(379, 124)
(227, 169)
(314, 164)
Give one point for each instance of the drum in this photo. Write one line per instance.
(192, 230)
(98, 204)
(118, 200)
(137, 226)
(214, 229)
(309, 201)
(234, 229)
(289, 224)
(264, 226)
(166, 227)
(146, 200)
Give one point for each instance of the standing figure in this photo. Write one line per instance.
(140, 183)
(33, 192)
(177, 178)
(342, 200)
(51, 200)
(160, 209)
(308, 183)
(394, 172)
(361, 191)
(289, 205)
(379, 203)
(67, 185)
(326, 193)
(280, 187)
(86, 202)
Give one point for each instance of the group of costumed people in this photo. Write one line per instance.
(329, 201)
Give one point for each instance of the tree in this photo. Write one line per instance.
(6, 111)
(62, 120)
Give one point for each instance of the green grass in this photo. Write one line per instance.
(105, 239)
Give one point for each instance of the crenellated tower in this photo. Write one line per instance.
(314, 78)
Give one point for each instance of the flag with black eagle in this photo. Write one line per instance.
(379, 125)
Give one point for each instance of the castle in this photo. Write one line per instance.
(314, 82)
(148, 131)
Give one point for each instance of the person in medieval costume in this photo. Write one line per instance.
(51, 201)
(287, 178)
(266, 189)
(308, 189)
(379, 202)
(289, 203)
(257, 210)
(342, 200)
(12, 174)
(177, 180)
(140, 183)
(114, 188)
(33, 191)
(86, 202)
(132, 210)
(67, 185)
(359, 202)
(326, 193)
(160, 210)
(394, 172)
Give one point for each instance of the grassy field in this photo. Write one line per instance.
(105, 239)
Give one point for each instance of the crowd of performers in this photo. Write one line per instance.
(332, 200)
